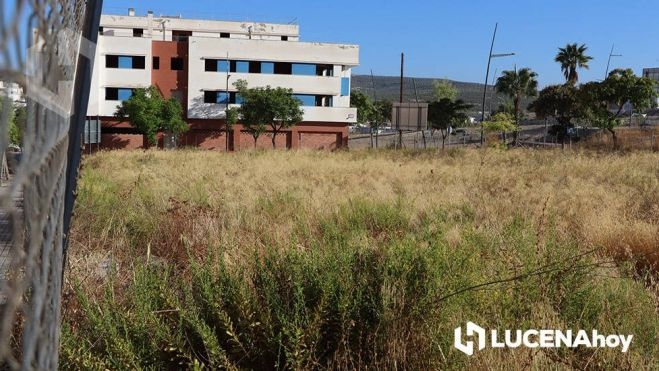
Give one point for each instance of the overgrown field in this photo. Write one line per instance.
(315, 260)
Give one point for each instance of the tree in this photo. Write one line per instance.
(262, 107)
(570, 58)
(605, 100)
(367, 114)
(231, 118)
(18, 127)
(149, 112)
(444, 89)
(561, 102)
(446, 113)
(518, 84)
(500, 122)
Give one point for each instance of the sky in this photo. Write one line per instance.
(451, 38)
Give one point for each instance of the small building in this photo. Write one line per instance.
(197, 62)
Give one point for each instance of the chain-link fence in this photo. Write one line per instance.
(45, 49)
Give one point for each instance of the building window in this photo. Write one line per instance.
(284, 38)
(267, 67)
(156, 63)
(210, 65)
(118, 93)
(254, 67)
(215, 65)
(138, 32)
(303, 69)
(181, 36)
(240, 66)
(324, 70)
(210, 97)
(220, 97)
(283, 68)
(307, 100)
(324, 101)
(225, 35)
(345, 86)
(177, 64)
(124, 61)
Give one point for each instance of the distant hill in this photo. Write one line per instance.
(388, 87)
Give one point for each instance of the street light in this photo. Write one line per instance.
(606, 74)
(487, 76)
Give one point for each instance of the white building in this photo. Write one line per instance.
(13, 91)
(197, 61)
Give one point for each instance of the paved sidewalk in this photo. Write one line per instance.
(6, 231)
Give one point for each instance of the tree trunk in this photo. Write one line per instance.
(443, 139)
(255, 139)
(614, 137)
(274, 136)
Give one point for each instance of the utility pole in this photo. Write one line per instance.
(400, 131)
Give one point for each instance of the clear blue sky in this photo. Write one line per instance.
(451, 38)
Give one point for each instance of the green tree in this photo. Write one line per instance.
(18, 127)
(500, 122)
(231, 118)
(446, 113)
(367, 113)
(605, 100)
(561, 102)
(149, 112)
(444, 89)
(263, 107)
(572, 57)
(518, 84)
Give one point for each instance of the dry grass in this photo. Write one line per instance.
(601, 200)
(509, 208)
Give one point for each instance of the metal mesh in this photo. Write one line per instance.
(40, 42)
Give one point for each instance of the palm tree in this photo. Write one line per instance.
(517, 85)
(572, 57)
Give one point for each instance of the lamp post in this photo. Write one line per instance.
(606, 74)
(487, 76)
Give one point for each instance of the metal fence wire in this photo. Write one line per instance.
(45, 48)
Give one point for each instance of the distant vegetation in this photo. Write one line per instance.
(388, 87)
(266, 260)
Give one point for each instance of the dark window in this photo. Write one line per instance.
(181, 36)
(283, 68)
(111, 94)
(254, 67)
(210, 97)
(138, 32)
(112, 61)
(284, 38)
(156, 63)
(211, 65)
(100, 30)
(118, 93)
(324, 70)
(124, 61)
(177, 64)
(225, 35)
(138, 62)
